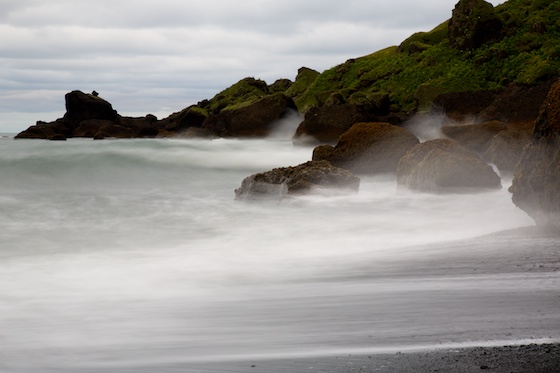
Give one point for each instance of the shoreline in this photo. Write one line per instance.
(529, 358)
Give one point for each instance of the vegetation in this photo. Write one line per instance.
(526, 51)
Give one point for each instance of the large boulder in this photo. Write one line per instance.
(368, 148)
(305, 178)
(324, 124)
(442, 165)
(255, 120)
(472, 24)
(536, 185)
(506, 147)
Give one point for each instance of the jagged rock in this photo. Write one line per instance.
(475, 137)
(305, 178)
(325, 124)
(368, 148)
(177, 123)
(255, 120)
(506, 147)
(472, 24)
(443, 165)
(536, 185)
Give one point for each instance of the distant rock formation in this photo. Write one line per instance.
(310, 177)
(443, 165)
(536, 185)
(368, 148)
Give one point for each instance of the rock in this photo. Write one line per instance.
(305, 178)
(58, 137)
(324, 124)
(255, 120)
(475, 137)
(443, 165)
(506, 147)
(472, 24)
(177, 123)
(514, 103)
(81, 106)
(44, 130)
(369, 148)
(536, 184)
(89, 128)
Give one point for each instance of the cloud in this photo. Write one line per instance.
(145, 56)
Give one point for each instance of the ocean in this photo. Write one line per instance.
(133, 256)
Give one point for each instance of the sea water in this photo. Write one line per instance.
(132, 255)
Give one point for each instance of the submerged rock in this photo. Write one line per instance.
(305, 178)
(536, 185)
(443, 165)
(368, 148)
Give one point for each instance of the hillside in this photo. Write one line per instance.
(524, 48)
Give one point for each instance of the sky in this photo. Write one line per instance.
(161, 56)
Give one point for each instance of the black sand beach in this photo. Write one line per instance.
(533, 358)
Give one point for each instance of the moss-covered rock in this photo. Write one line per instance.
(369, 148)
(243, 93)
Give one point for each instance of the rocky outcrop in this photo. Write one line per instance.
(324, 124)
(305, 178)
(536, 185)
(255, 120)
(368, 148)
(443, 165)
(473, 23)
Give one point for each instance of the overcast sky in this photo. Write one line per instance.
(161, 56)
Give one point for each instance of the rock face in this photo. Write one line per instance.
(473, 23)
(324, 124)
(536, 185)
(368, 148)
(442, 165)
(308, 177)
(255, 120)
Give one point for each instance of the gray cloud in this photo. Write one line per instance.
(147, 56)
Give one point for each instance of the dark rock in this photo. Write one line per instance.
(472, 24)
(58, 137)
(88, 128)
(305, 178)
(255, 120)
(81, 106)
(177, 123)
(325, 124)
(44, 130)
(443, 165)
(475, 137)
(515, 103)
(506, 147)
(536, 185)
(369, 148)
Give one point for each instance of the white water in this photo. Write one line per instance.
(133, 254)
